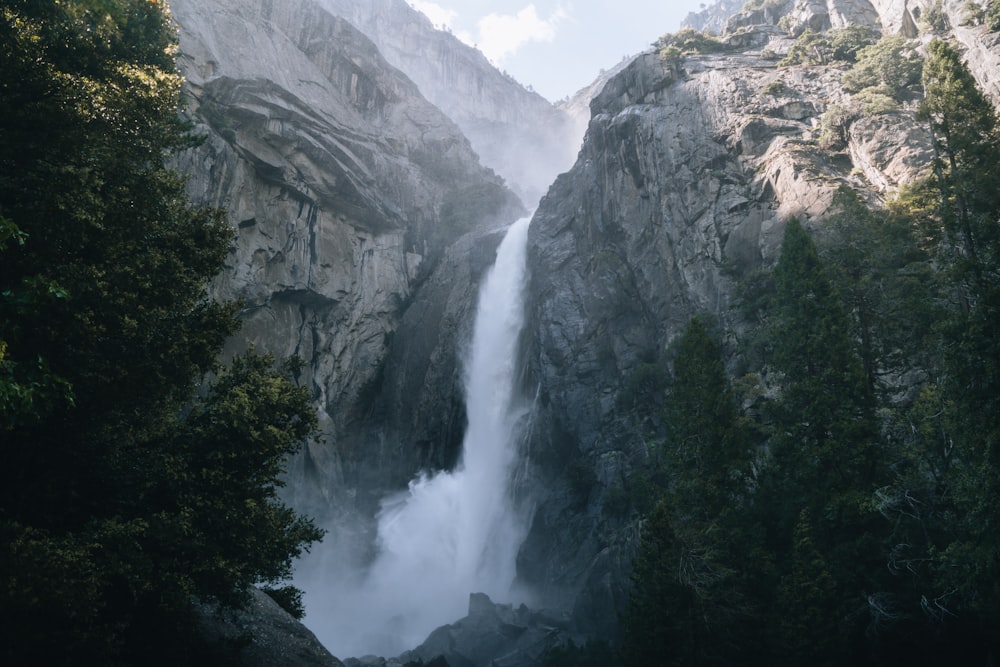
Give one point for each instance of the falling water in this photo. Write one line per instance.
(455, 532)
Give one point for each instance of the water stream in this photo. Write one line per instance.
(458, 532)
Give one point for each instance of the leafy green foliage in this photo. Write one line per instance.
(992, 16)
(123, 492)
(886, 282)
(848, 42)
(840, 45)
(891, 66)
(810, 48)
(691, 567)
(688, 42)
(973, 13)
(288, 598)
(807, 594)
(834, 124)
(966, 137)
(752, 5)
(936, 18)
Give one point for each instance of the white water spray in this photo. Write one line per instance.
(456, 532)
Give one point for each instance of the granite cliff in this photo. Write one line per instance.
(689, 169)
(515, 131)
(344, 186)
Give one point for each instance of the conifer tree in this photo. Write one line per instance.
(807, 597)
(699, 551)
(967, 137)
(824, 457)
(123, 493)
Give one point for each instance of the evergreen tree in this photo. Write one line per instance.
(699, 553)
(964, 125)
(967, 138)
(824, 455)
(659, 628)
(825, 431)
(887, 283)
(123, 493)
(806, 596)
(708, 449)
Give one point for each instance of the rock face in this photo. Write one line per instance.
(493, 634)
(261, 635)
(344, 185)
(687, 175)
(515, 131)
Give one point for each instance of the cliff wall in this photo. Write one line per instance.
(344, 185)
(515, 131)
(365, 220)
(688, 172)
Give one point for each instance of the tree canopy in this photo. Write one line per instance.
(137, 472)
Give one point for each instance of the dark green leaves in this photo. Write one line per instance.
(123, 494)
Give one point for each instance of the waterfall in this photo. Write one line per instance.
(458, 532)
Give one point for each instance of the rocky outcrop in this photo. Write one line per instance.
(713, 17)
(262, 634)
(982, 53)
(344, 186)
(514, 130)
(494, 634)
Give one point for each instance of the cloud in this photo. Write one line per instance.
(500, 35)
(439, 16)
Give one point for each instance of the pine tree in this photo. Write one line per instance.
(967, 138)
(123, 494)
(824, 415)
(807, 594)
(824, 455)
(699, 551)
(964, 125)
(658, 628)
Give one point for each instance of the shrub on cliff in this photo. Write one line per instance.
(891, 66)
(992, 16)
(688, 42)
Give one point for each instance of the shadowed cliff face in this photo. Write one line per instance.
(687, 175)
(344, 186)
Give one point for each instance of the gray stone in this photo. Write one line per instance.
(337, 176)
(516, 132)
(262, 635)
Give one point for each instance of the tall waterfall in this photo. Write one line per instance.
(457, 532)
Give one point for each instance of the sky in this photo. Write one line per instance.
(557, 46)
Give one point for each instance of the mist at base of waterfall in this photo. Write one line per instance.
(449, 534)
